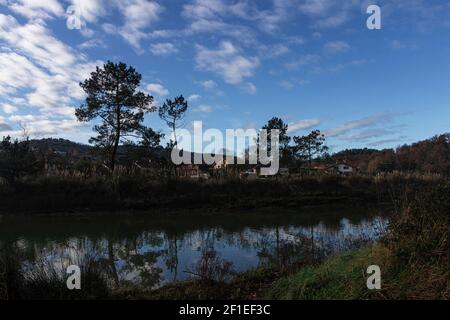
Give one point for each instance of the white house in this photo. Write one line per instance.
(341, 168)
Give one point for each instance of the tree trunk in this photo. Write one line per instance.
(117, 140)
(175, 134)
(309, 158)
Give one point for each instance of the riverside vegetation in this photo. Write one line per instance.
(135, 192)
(413, 255)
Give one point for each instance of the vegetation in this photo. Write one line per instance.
(73, 193)
(413, 257)
(137, 175)
(112, 96)
(427, 156)
(173, 113)
(48, 281)
(17, 160)
(310, 147)
(340, 277)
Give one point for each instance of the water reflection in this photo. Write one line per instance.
(152, 251)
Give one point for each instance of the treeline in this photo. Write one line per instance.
(117, 107)
(428, 156)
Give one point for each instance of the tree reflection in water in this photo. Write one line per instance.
(150, 252)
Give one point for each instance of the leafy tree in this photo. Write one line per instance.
(113, 96)
(278, 124)
(173, 113)
(307, 147)
(17, 159)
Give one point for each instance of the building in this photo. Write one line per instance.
(188, 171)
(341, 168)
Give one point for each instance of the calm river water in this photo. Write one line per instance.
(154, 250)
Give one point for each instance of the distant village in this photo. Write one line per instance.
(60, 154)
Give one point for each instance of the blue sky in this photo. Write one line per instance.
(313, 63)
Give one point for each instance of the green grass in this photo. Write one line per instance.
(340, 277)
(414, 258)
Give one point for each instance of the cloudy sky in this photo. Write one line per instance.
(311, 62)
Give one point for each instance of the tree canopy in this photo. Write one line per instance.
(172, 112)
(114, 98)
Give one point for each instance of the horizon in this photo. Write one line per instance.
(312, 63)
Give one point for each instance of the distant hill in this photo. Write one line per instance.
(61, 145)
(73, 148)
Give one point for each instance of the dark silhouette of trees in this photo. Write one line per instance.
(17, 160)
(278, 124)
(173, 113)
(113, 96)
(310, 146)
(284, 140)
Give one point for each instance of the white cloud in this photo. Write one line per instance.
(358, 124)
(92, 43)
(250, 88)
(208, 84)
(273, 51)
(194, 97)
(157, 89)
(370, 134)
(337, 46)
(41, 72)
(398, 44)
(4, 127)
(292, 83)
(227, 62)
(89, 10)
(33, 9)
(209, 16)
(7, 108)
(305, 60)
(41, 125)
(138, 15)
(203, 109)
(271, 19)
(303, 125)
(328, 13)
(163, 49)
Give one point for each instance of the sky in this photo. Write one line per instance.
(314, 63)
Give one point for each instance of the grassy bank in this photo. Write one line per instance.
(341, 277)
(72, 194)
(414, 258)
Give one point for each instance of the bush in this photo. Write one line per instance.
(419, 240)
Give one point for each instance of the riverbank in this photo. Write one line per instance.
(340, 277)
(413, 257)
(134, 193)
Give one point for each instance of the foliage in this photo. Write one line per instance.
(427, 156)
(340, 277)
(46, 281)
(310, 146)
(173, 113)
(113, 96)
(419, 239)
(17, 160)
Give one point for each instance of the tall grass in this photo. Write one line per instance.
(414, 257)
(419, 239)
(47, 281)
(137, 191)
